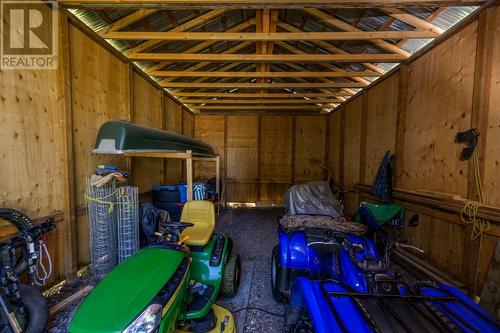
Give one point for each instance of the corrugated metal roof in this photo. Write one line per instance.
(363, 19)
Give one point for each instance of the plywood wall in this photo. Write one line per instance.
(440, 89)
(276, 154)
(335, 137)
(50, 120)
(211, 130)
(416, 113)
(264, 155)
(173, 122)
(310, 145)
(381, 118)
(147, 110)
(352, 150)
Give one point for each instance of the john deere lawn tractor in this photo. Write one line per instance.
(169, 286)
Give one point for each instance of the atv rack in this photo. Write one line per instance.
(410, 312)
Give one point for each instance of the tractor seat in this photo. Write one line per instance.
(201, 213)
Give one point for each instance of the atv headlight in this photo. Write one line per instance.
(147, 322)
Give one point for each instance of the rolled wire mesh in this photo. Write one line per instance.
(102, 227)
(127, 211)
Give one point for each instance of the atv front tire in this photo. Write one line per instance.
(276, 276)
(232, 275)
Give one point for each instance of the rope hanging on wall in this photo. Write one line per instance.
(469, 216)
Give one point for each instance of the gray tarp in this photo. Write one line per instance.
(312, 198)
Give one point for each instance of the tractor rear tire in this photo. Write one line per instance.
(276, 276)
(232, 275)
(36, 308)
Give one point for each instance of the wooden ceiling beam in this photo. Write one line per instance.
(127, 20)
(180, 95)
(339, 73)
(201, 65)
(266, 85)
(260, 101)
(262, 107)
(259, 4)
(339, 24)
(328, 47)
(268, 37)
(200, 20)
(329, 67)
(413, 20)
(204, 45)
(197, 57)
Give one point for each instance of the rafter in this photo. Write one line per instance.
(196, 57)
(127, 20)
(263, 107)
(258, 4)
(260, 95)
(260, 101)
(201, 65)
(266, 85)
(200, 20)
(204, 45)
(338, 24)
(339, 73)
(330, 67)
(413, 20)
(328, 47)
(268, 37)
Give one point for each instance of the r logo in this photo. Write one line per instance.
(29, 32)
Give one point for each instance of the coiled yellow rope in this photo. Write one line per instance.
(469, 213)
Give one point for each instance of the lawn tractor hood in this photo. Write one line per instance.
(129, 289)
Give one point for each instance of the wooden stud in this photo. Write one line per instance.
(200, 20)
(127, 20)
(202, 46)
(401, 121)
(245, 85)
(267, 37)
(259, 101)
(67, 242)
(189, 175)
(338, 24)
(259, 4)
(261, 95)
(262, 107)
(251, 58)
(413, 20)
(302, 74)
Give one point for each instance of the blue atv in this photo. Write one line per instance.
(338, 282)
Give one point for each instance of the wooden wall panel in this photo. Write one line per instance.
(173, 122)
(211, 130)
(188, 123)
(242, 173)
(439, 102)
(100, 92)
(491, 157)
(242, 148)
(276, 145)
(310, 148)
(147, 110)
(352, 150)
(276, 149)
(32, 146)
(381, 124)
(334, 146)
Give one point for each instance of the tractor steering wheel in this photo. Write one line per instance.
(176, 228)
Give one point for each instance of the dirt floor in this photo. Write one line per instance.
(254, 234)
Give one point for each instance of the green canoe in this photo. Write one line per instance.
(121, 137)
